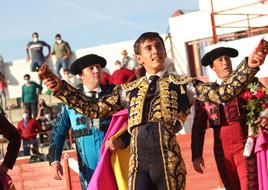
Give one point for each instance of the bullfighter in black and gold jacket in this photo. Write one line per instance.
(158, 104)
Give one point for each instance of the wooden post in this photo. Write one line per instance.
(67, 175)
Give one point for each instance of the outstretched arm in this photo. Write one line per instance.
(94, 108)
(238, 80)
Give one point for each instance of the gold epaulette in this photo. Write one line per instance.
(177, 79)
(131, 85)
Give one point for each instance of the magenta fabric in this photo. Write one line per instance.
(261, 150)
(5, 181)
(103, 177)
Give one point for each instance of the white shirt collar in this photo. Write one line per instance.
(160, 74)
(218, 80)
(87, 90)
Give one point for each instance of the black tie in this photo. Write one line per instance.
(93, 94)
(150, 95)
(152, 85)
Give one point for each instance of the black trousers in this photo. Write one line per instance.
(150, 171)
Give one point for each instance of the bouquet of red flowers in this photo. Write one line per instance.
(257, 98)
(257, 102)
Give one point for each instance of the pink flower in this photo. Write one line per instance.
(263, 105)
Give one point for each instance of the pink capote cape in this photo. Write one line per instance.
(261, 150)
(104, 177)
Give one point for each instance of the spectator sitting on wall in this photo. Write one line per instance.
(28, 128)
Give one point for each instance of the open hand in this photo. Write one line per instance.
(57, 171)
(52, 83)
(258, 55)
(113, 144)
(50, 79)
(262, 121)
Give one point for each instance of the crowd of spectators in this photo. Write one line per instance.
(37, 117)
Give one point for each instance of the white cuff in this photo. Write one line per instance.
(55, 162)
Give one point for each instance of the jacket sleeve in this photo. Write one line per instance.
(198, 130)
(93, 108)
(13, 136)
(58, 135)
(229, 88)
(19, 127)
(38, 86)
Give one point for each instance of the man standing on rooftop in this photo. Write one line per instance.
(62, 52)
(36, 48)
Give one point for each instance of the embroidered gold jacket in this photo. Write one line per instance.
(170, 105)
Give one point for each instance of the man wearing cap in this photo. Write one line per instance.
(230, 131)
(88, 133)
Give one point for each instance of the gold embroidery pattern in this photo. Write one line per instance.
(232, 86)
(177, 79)
(84, 105)
(131, 85)
(136, 105)
(165, 96)
(155, 110)
(174, 165)
(163, 157)
(104, 109)
(112, 99)
(169, 102)
(133, 160)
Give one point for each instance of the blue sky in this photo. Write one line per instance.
(83, 23)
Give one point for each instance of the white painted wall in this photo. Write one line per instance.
(197, 25)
